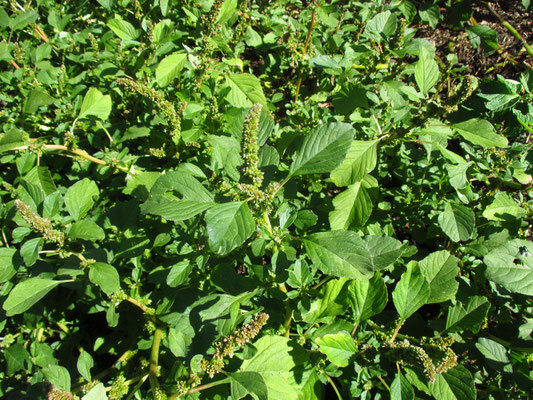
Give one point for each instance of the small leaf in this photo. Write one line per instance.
(123, 29)
(228, 226)
(426, 71)
(457, 222)
(86, 230)
(23, 19)
(15, 357)
(36, 98)
(58, 376)
(470, 316)
(411, 292)
(480, 132)
(95, 104)
(440, 269)
(511, 266)
(79, 198)
(105, 276)
(360, 160)
(338, 348)
(26, 293)
(401, 389)
(493, 351)
(30, 250)
(367, 298)
(381, 26)
(96, 393)
(352, 208)
(169, 67)
(323, 149)
(85, 363)
(245, 90)
(7, 264)
(174, 210)
(503, 208)
(455, 384)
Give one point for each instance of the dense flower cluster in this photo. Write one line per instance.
(119, 388)
(58, 394)
(39, 224)
(250, 148)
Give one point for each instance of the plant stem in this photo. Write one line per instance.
(384, 383)
(396, 331)
(306, 45)
(137, 387)
(154, 357)
(208, 385)
(334, 388)
(355, 328)
(288, 319)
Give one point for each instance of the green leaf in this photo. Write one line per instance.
(84, 365)
(96, 393)
(15, 356)
(26, 293)
(360, 160)
(338, 348)
(503, 208)
(248, 382)
(426, 71)
(323, 149)
(23, 19)
(30, 250)
(227, 11)
(245, 90)
(411, 292)
(79, 198)
(228, 226)
(226, 154)
(345, 254)
(36, 98)
(352, 208)
(455, 384)
(11, 139)
(7, 264)
(42, 177)
(105, 276)
(329, 303)
(123, 29)
(440, 269)
(95, 104)
(470, 316)
(179, 341)
(275, 360)
(457, 174)
(401, 389)
(86, 230)
(511, 266)
(169, 68)
(457, 222)
(493, 351)
(174, 210)
(381, 26)
(58, 376)
(367, 298)
(480, 132)
(179, 273)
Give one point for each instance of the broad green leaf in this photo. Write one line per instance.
(345, 254)
(228, 226)
(42, 177)
(30, 250)
(179, 341)
(174, 210)
(275, 360)
(95, 104)
(493, 351)
(23, 19)
(426, 71)
(15, 357)
(179, 273)
(26, 293)
(11, 139)
(226, 154)
(411, 292)
(5, 54)
(227, 11)
(169, 68)
(511, 266)
(323, 149)
(352, 208)
(503, 208)
(58, 376)
(248, 382)
(401, 389)
(480, 132)
(86, 230)
(367, 298)
(96, 393)
(105, 276)
(381, 26)
(457, 222)
(123, 29)
(469, 316)
(455, 384)
(79, 198)
(338, 348)
(36, 98)
(457, 174)
(184, 183)
(440, 269)
(245, 90)
(7, 263)
(360, 160)
(329, 303)
(84, 365)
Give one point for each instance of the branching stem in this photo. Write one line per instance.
(154, 359)
(306, 45)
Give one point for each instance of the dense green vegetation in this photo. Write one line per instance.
(263, 199)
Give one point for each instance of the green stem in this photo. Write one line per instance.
(306, 45)
(334, 388)
(288, 320)
(137, 386)
(400, 324)
(154, 357)
(508, 344)
(208, 385)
